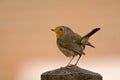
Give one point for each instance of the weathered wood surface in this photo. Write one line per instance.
(70, 73)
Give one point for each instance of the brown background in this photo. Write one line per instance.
(28, 47)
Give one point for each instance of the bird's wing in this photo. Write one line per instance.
(77, 38)
(89, 44)
(72, 46)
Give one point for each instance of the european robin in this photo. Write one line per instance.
(70, 43)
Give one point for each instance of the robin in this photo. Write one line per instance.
(70, 43)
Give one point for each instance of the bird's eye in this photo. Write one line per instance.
(61, 29)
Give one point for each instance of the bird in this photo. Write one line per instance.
(72, 44)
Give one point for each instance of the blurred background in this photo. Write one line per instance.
(28, 47)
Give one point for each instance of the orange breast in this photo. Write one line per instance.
(59, 34)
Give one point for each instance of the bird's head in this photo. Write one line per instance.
(61, 30)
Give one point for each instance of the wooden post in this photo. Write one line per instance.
(70, 73)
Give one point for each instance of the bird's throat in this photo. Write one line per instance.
(59, 34)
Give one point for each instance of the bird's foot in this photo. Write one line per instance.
(71, 65)
(68, 66)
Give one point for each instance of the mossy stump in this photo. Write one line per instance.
(70, 73)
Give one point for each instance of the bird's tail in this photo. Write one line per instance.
(84, 39)
(92, 32)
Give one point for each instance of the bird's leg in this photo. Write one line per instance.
(78, 59)
(70, 60)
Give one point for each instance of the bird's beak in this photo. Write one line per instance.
(53, 30)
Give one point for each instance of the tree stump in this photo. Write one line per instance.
(70, 73)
